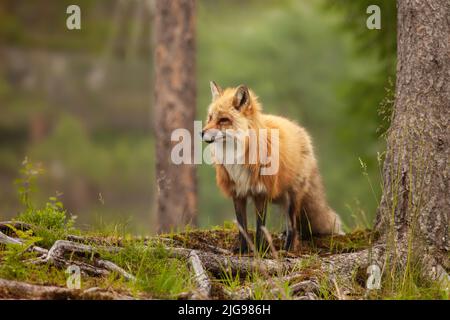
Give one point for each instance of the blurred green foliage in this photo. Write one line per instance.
(80, 101)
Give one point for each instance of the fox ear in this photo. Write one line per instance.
(216, 90)
(241, 97)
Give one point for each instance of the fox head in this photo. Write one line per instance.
(231, 111)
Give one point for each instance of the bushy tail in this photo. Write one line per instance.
(317, 218)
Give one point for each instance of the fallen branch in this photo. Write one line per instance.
(14, 289)
(115, 268)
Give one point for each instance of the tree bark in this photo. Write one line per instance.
(416, 195)
(175, 98)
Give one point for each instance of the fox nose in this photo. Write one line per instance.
(208, 138)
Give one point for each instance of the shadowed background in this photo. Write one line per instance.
(80, 102)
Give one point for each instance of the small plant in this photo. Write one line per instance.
(260, 288)
(50, 222)
(285, 291)
(326, 289)
(308, 262)
(229, 280)
(27, 181)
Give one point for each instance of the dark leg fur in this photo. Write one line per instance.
(240, 207)
(304, 226)
(261, 212)
(291, 232)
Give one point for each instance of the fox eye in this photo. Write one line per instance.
(209, 118)
(224, 120)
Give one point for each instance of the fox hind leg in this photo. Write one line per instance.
(293, 216)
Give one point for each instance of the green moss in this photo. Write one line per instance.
(350, 242)
(226, 237)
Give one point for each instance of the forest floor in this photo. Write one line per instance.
(36, 261)
(44, 256)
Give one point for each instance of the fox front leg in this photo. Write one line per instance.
(240, 207)
(261, 212)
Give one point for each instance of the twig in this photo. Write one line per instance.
(339, 294)
(270, 240)
(115, 268)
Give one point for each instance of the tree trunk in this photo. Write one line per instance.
(175, 98)
(416, 195)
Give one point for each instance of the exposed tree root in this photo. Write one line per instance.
(346, 266)
(218, 264)
(57, 256)
(4, 239)
(434, 271)
(201, 277)
(5, 226)
(95, 266)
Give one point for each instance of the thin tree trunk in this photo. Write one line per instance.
(416, 195)
(175, 98)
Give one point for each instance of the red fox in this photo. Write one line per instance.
(296, 185)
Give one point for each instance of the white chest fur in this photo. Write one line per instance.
(241, 176)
